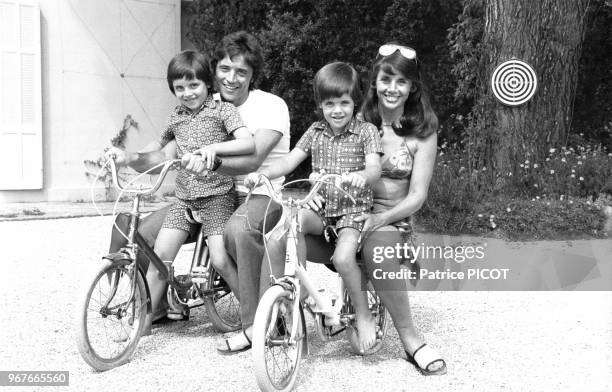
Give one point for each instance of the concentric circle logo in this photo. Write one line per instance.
(514, 82)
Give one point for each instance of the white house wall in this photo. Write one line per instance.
(101, 60)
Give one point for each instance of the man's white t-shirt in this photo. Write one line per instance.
(263, 110)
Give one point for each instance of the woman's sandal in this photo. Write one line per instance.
(234, 350)
(425, 356)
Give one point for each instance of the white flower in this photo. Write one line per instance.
(535, 165)
(547, 203)
(552, 172)
(571, 202)
(538, 197)
(480, 215)
(579, 162)
(552, 150)
(581, 178)
(508, 209)
(573, 171)
(563, 160)
(573, 175)
(527, 162)
(521, 165)
(547, 159)
(491, 216)
(535, 185)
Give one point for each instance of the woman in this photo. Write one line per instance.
(397, 102)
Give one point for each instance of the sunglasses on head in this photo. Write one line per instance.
(389, 49)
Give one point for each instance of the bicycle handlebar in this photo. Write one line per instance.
(167, 165)
(275, 195)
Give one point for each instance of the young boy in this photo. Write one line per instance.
(340, 144)
(202, 126)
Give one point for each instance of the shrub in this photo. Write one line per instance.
(562, 196)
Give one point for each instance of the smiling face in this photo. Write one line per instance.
(338, 111)
(392, 90)
(190, 92)
(233, 77)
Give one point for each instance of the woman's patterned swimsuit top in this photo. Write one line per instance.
(398, 165)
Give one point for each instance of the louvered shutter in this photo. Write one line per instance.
(20, 96)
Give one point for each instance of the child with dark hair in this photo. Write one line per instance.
(207, 127)
(341, 144)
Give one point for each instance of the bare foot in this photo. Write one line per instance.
(366, 331)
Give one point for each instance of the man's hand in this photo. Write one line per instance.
(354, 179)
(120, 156)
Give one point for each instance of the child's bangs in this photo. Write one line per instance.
(334, 88)
(181, 71)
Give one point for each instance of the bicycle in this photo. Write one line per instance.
(279, 328)
(111, 315)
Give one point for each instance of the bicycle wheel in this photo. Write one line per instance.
(277, 360)
(380, 318)
(222, 307)
(108, 328)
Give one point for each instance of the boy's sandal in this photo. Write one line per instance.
(234, 350)
(425, 356)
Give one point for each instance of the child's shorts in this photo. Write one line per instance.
(213, 211)
(342, 221)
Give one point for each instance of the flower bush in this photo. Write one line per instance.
(561, 196)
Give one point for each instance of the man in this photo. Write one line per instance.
(238, 63)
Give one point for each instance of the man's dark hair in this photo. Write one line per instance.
(241, 43)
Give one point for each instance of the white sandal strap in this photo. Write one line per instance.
(425, 356)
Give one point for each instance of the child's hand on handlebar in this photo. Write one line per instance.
(193, 162)
(208, 153)
(251, 180)
(316, 203)
(353, 179)
(120, 156)
(315, 175)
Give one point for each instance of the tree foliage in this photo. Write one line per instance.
(300, 36)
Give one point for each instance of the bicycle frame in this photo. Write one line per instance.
(136, 245)
(295, 276)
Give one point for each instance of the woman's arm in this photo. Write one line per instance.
(422, 171)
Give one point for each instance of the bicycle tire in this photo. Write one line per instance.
(276, 303)
(222, 306)
(115, 344)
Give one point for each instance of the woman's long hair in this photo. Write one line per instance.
(418, 118)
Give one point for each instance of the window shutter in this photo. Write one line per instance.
(20, 96)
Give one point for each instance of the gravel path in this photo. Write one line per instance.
(492, 341)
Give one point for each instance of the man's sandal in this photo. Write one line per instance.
(234, 350)
(425, 356)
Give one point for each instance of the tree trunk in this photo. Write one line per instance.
(547, 35)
